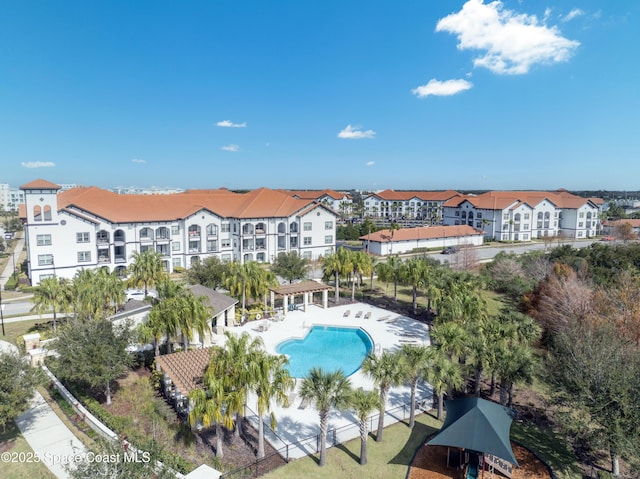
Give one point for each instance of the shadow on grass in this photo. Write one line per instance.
(349, 453)
(8, 436)
(417, 437)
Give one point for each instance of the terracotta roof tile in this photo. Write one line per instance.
(40, 185)
(185, 368)
(424, 232)
(126, 208)
(500, 200)
(315, 194)
(392, 195)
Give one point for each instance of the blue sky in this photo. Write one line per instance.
(369, 94)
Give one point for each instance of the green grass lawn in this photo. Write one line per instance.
(12, 442)
(388, 459)
(19, 328)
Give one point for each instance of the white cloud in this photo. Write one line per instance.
(230, 124)
(38, 164)
(442, 88)
(138, 160)
(233, 148)
(512, 42)
(355, 133)
(576, 12)
(370, 163)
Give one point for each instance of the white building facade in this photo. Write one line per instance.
(523, 216)
(92, 228)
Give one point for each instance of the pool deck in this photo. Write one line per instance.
(388, 331)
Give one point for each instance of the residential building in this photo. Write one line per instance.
(339, 202)
(10, 198)
(91, 227)
(407, 240)
(419, 205)
(526, 215)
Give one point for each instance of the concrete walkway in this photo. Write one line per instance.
(49, 437)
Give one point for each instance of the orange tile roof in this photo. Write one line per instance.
(499, 200)
(635, 223)
(315, 194)
(423, 232)
(40, 185)
(185, 368)
(128, 208)
(392, 195)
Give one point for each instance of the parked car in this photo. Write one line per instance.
(450, 250)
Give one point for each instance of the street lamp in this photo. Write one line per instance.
(13, 256)
(1, 311)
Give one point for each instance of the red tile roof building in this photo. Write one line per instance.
(89, 227)
(526, 215)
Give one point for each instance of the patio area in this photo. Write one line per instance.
(298, 423)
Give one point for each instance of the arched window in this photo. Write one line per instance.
(102, 237)
(119, 236)
(47, 213)
(282, 228)
(260, 229)
(539, 215)
(464, 215)
(146, 234)
(293, 228)
(247, 229)
(162, 233)
(37, 213)
(212, 229)
(194, 230)
(516, 218)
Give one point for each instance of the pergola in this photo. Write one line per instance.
(307, 289)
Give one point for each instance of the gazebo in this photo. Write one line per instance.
(306, 289)
(479, 426)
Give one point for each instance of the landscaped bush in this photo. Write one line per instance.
(11, 284)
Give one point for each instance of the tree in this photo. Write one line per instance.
(443, 375)
(335, 265)
(364, 403)
(210, 272)
(52, 294)
(390, 271)
(413, 273)
(272, 383)
(146, 269)
(326, 390)
(594, 370)
(94, 352)
(124, 463)
(624, 232)
(290, 266)
(244, 280)
(18, 381)
(386, 370)
(416, 360)
(360, 265)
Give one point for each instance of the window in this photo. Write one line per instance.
(581, 225)
(478, 215)
(45, 276)
(82, 237)
(212, 245)
(175, 246)
(328, 225)
(212, 229)
(505, 216)
(226, 257)
(328, 252)
(328, 239)
(176, 262)
(45, 259)
(175, 229)
(526, 216)
(505, 227)
(163, 249)
(44, 240)
(307, 226)
(225, 243)
(457, 213)
(84, 256)
(526, 226)
(307, 240)
(306, 254)
(581, 215)
(224, 227)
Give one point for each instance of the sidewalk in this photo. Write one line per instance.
(8, 268)
(50, 439)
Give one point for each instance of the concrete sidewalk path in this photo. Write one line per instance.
(49, 437)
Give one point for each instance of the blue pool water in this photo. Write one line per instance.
(327, 347)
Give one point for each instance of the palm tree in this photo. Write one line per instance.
(52, 294)
(326, 390)
(244, 280)
(360, 264)
(392, 230)
(451, 338)
(416, 360)
(146, 269)
(336, 265)
(272, 383)
(209, 406)
(413, 273)
(386, 370)
(443, 375)
(238, 363)
(390, 271)
(364, 403)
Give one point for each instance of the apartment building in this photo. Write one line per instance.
(10, 198)
(419, 205)
(526, 215)
(90, 227)
(338, 202)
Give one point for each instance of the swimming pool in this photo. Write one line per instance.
(328, 347)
